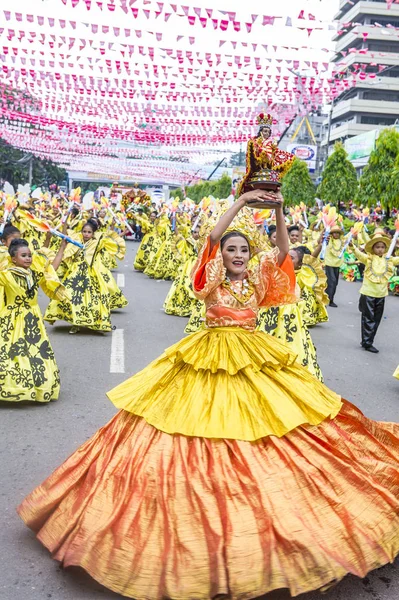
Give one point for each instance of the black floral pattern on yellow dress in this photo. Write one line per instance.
(31, 346)
(312, 314)
(86, 298)
(144, 251)
(79, 283)
(268, 321)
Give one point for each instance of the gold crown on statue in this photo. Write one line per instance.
(263, 119)
(243, 223)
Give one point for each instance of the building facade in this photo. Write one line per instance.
(373, 103)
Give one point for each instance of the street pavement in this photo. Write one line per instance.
(36, 439)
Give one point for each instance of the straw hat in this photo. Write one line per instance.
(377, 237)
(337, 229)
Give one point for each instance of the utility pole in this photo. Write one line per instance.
(30, 175)
(216, 168)
(240, 158)
(329, 125)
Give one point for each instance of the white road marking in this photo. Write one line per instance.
(120, 280)
(117, 362)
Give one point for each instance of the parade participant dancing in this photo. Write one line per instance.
(28, 370)
(229, 470)
(379, 268)
(90, 301)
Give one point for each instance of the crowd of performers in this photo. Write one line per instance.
(54, 243)
(320, 250)
(230, 469)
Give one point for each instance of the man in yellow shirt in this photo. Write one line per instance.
(333, 262)
(377, 273)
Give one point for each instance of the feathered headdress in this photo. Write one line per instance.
(243, 223)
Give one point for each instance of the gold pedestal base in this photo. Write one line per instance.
(266, 179)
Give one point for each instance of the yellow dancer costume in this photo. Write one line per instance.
(229, 470)
(162, 231)
(34, 238)
(313, 283)
(39, 262)
(146, 244)
(282, 322)
(28, 370)
(181, 300)
(83, 275)
(197, 318)
(168, 257)
(286, 324)
(114, 247)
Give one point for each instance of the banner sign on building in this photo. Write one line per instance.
(306, 153)
(361, 146)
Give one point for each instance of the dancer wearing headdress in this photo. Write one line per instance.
(229, 470)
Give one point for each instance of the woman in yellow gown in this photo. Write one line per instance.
(83, 276)
(312, 281)
(180, 300)
(229, 470)
(169, 255)
(146, 244)
(161, 231)
(286, 323)
(112, 246)
(28, 370)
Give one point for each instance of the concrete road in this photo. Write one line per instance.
(36, 439)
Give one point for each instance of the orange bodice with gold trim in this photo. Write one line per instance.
(270, 284)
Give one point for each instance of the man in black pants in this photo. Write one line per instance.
(378, 271)
(333, 261)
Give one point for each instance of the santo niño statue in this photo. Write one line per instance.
(266, 163)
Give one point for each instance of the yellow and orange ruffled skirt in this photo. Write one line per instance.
(229, 471)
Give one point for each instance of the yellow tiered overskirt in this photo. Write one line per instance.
(227, 383)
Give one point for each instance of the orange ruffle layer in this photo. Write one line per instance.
(151, 515)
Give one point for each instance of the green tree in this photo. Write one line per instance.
(379, 178)
(219, 189)
(178, 193)
(15, 165)
(297, 185)
(339, 180)
(223, 187)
